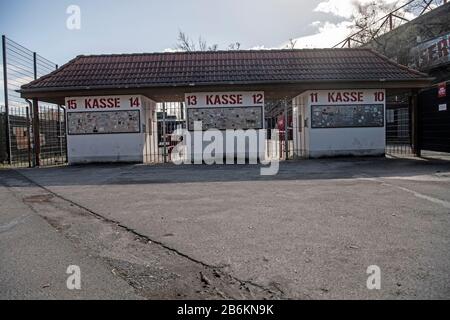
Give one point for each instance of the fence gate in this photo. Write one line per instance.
(18, 146)
(434, 126)
(163, 135)
(399, 124)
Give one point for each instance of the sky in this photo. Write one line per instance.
(135, 26)
(117, 26)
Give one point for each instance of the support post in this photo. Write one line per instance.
(5, 89)
(415, 123)
(30, 161)
(286, 130)
(164, 131)
(36, 133)
(35, 65)
(60, 134)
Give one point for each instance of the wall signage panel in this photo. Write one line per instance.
(353, 108)
(226, 110)
(347, 116)
(241, 118)
(103, 103)
(103, 122)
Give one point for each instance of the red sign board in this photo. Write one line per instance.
(442, 90)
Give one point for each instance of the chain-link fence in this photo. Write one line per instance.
(18, 118)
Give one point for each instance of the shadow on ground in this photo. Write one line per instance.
(123, 174)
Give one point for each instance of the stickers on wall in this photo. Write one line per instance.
(347, 116)
(442, 90)
(84, 123)
(226, 118)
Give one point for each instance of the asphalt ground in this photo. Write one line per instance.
(309, 232)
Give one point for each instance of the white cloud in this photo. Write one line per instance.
(346, 8)
(329, 34)
(261, 47)
(340, 8)
(172, 50)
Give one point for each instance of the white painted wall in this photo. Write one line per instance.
(328, 142)
(237, 144)
(122, 147)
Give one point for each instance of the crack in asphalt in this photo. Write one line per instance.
(147, 238)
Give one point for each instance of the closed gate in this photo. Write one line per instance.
(434, 125)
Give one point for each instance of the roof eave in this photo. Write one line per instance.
(419, 82)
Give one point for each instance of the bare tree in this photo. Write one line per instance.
(291, 44)
(376, 18)
(213, 47)
(421, 6)
(234, 46)
(366, 20)
(185, 43)
(202, 46)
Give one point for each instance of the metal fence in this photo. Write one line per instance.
(281, 129)
(161, 136)
(398, 130)
(18, 146)
(399, 124)
(165, 135)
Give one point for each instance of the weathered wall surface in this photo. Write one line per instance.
(93, 139)
(332, 137)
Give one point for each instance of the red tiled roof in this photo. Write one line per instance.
(223, 67)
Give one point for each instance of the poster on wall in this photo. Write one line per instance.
(226, 118)
(347, 108)
(347, 116)
(226, 110)
(103, 122)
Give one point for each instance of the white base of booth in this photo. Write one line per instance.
(106, 159)
(347, 153)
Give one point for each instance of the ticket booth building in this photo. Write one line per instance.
(332, 101)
